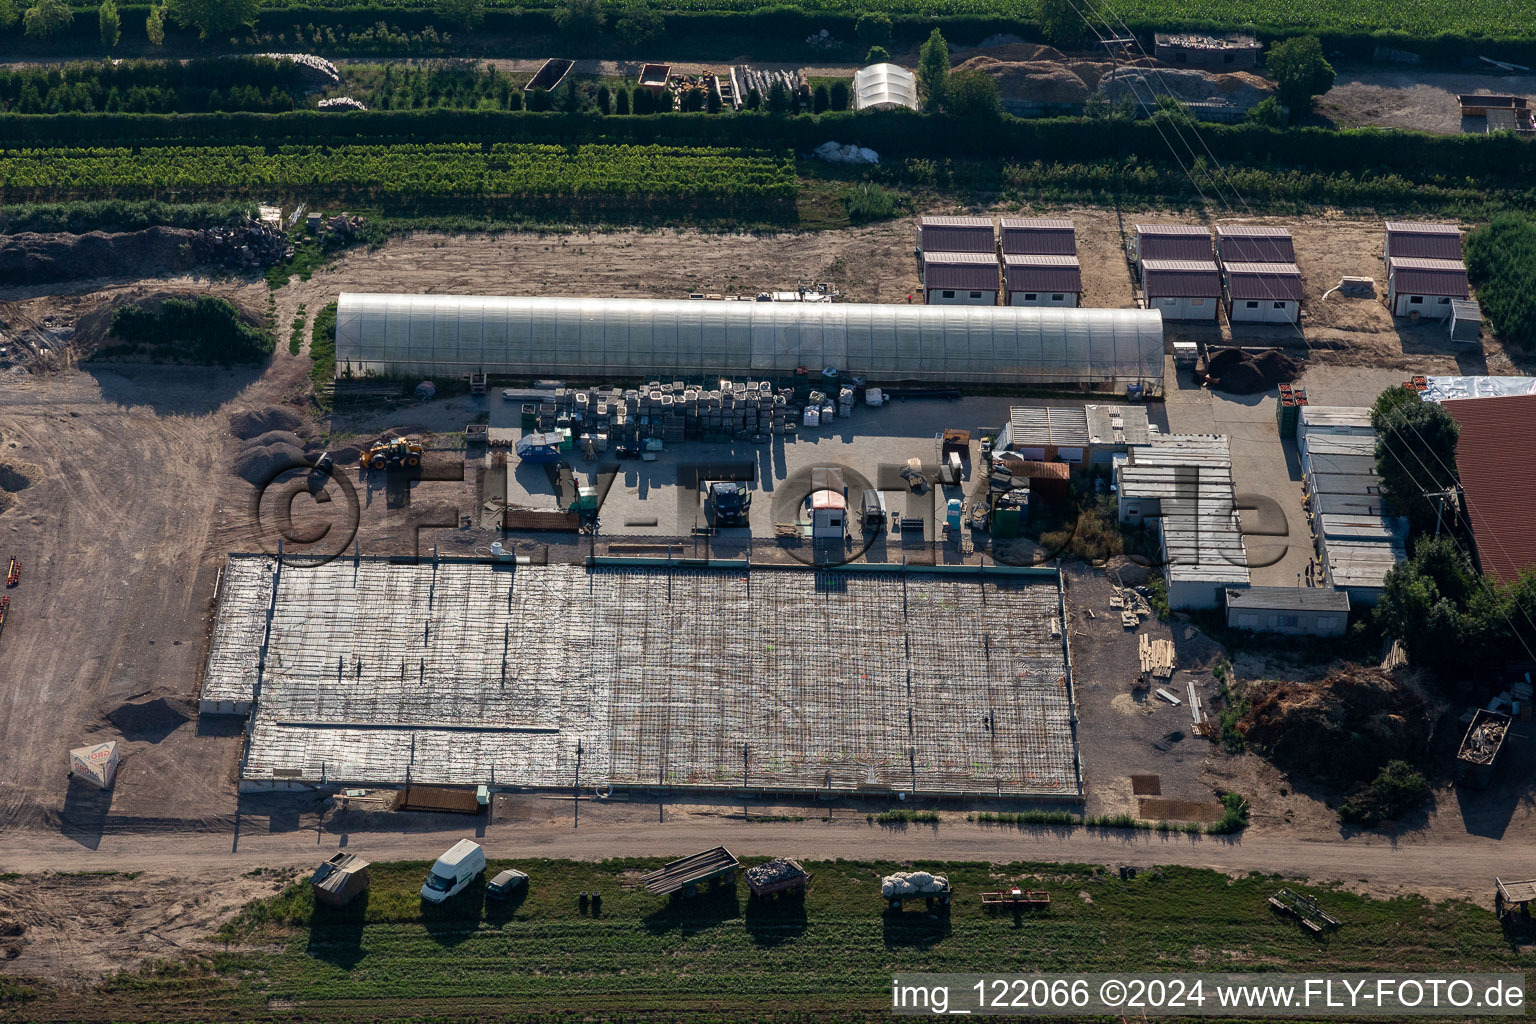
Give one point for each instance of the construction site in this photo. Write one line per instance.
(366, 671)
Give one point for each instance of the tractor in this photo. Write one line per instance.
(394, 453)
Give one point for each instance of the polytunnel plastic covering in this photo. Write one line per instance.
(423, 335)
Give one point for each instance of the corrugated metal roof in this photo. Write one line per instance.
(1344, 483)
(1280, 281)
(1336, 419)
(1191, 477)
(1341, 464)
(1360, 528)
(960, 270)
(1466, 309)
(1348, 505)
(1340, 444)
(957, 234)
(1362, 564)
(1423, 240)
(1041, 236)
(1042, 273)
(1496, 459)
(1421, 276)
(1193, 279)
(1118, 424)
(1253, 243)
(1172, 242)
(1285, 599)
(1034, 426)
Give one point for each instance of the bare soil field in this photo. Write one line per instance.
(1412, 98)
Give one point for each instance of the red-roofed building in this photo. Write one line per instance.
(1500, 494)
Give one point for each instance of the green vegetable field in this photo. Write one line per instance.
(441, 170)
(1427, 17)
(721, 956)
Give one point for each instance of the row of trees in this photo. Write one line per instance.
(1447, 616)
(44, 18)
(1501, 260)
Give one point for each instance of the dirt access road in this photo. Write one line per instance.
(542, 827)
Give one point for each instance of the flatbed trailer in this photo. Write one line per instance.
(1016, 899)
(686, 874)
(779, 875)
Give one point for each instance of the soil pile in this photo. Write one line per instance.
(1031, 81)
(149, 720)
(30, 258)
(15, 477)
(1242, 373)
(1186, 85)
(1344, 727)
(256, 422)
(262, 464)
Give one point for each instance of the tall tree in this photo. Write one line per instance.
(1061, 21)
(212, 16)
(7, 13)
(46, 18)
(638, 23)
(464, 14)
(873, 29)
(933, 72)
(1415, 455)
(111, 26)
(1300, 72)
(974, 95)
(580, 19)
(154, 25)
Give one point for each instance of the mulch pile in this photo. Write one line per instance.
(1242, 373)
(1344, 727)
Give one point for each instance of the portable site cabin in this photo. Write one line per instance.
(1041, 280)
(97, 763)
(960, 279)
(1182, 289)
(1254, 243)
(1301, 611)
(1172, 242)
(339, 880)
(1267, 293)
(1425, 287)
(828, 505)
(1038, 236)
(956, 234)
(1420, 240)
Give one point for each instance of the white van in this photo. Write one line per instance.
(453, 871)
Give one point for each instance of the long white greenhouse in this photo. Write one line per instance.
(423, 335)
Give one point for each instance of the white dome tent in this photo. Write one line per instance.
(884, 87)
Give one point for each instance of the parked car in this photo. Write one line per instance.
(505, 884)
(453, 871)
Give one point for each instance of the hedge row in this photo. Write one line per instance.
(776, 30)
(1489, 160)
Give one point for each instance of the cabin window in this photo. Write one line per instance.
(975, 295)
(1030, 296)
(1253, 305)
(1058, 297)
(1279, 305)
(949, 295)
(1415, 300)
(1197, 302)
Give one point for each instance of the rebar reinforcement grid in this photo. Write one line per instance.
(472, 672)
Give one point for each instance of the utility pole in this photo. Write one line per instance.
(1440, 498)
